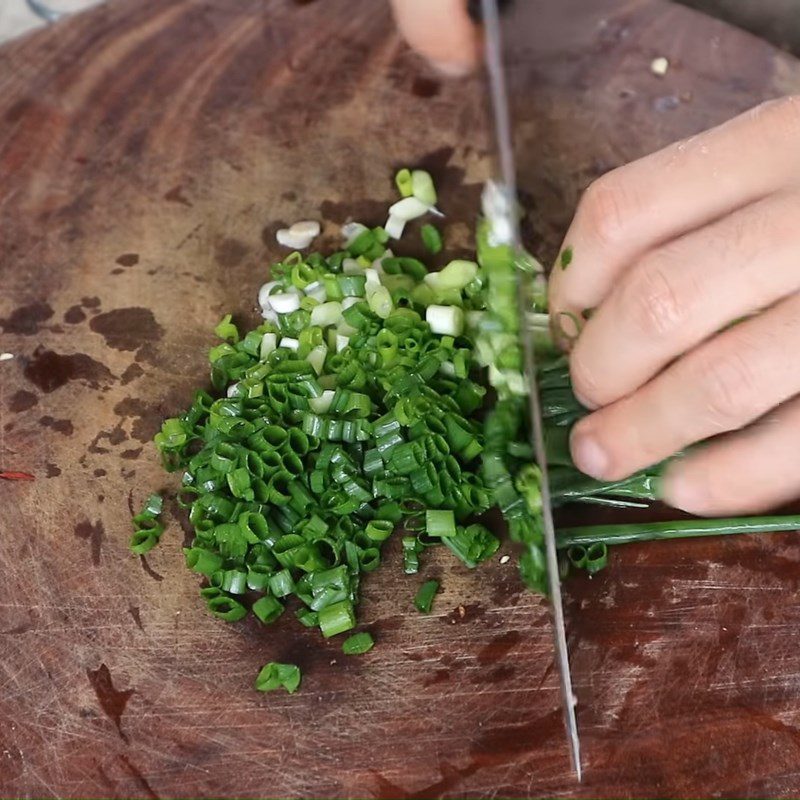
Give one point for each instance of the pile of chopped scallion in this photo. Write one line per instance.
(359, 408)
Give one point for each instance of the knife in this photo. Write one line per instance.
(501, 203)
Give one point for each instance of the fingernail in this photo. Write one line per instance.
(684, 494)
(589, 455)
(583, 401)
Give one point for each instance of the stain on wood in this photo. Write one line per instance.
(111, 699)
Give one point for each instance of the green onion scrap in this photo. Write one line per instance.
(432, 239)
(276, 676)
(147, 527)
(358, 644)
(424, 598)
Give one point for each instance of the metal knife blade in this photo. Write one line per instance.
(505, 226)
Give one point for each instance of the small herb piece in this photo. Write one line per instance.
(267, 609)
(432, 239)
(440, 523)
(424, 599)
(147, 528)
(411, 551)
(422, 187)
(274, 676)
(473, 544)
(227, 330)
(226, 608)
(577, 556)
(358, 644)
(153, 506)
(337, 618)
(566, 257)
(596, 557)
(404, 183)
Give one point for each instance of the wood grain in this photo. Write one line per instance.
(148, 152)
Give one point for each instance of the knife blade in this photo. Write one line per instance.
(505, 228)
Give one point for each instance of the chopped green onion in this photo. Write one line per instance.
(379, 530)
(147, 528)
(440, 523)
(143, 541)
(473, 544)
(227, 608)
(307, 617)
(227, 330)
(380, 301)
(424, 599)
(281, 584)
(596, 557)
(358, 644)
(153, 505)
(422, 187)
(404, 183)
(267, 609)
(432, 239)
(276, 676)
(351, 285)
(326, 314)
(445, 320)
(456, 275)
(577, 556)
(337, 618)
(411, 550)
(204, 561)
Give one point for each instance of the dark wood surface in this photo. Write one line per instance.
(148, 152)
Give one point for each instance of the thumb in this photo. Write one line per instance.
(441, 31)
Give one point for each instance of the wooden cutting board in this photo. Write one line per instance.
(148, 152)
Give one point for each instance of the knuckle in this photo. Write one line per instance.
(781, 115)
(730, 390)
(789, 110)
(651, 300)
(606, 208)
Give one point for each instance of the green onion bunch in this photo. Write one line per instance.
(348, 413)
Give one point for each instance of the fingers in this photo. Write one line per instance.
(441, 31)
(748, 472)
(721, 386)
(681, 293)
(632, 209)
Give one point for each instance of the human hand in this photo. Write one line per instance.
(441, 31)
(669, 251)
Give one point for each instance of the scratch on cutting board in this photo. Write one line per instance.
(189, 236)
